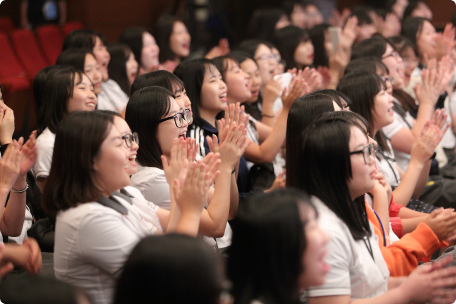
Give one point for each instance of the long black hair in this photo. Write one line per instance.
(327, 169)
(265, 256)
(302, 114)
(287, 40)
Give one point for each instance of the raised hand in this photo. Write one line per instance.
(446, 70)
(191, 196)
(279, 182)
(298, 87)
(311, 78)
(349, 32)
(176, 168)
(28, 154)
(445, 41)
(442, 223)
(272, 90)
(391, 26)
(6, 124)
(429, 90)
(424, 146)
(10, 166)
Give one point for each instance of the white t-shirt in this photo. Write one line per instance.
(92, 244)
(386, 165)
(45, 149)
(111, 97)
(152, 183)
(402, 159)
(353, 270)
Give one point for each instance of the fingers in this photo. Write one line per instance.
(164, 163)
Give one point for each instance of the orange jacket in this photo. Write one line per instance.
(402, 257)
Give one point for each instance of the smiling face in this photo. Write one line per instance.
(251, 68)
(266, 63)
(102, 56)
(213, 92)
(304, 54)
(182, 100)
(122, 126)
(179, 41)
(167, 130)
(84, 98)
(149, 53)
(315, 268)
(362, 174)
(395, 66)
(93, 71)
(111, 163)
(132, 68)
(298, 16)
(382, 112)
(238, 83)
(425, 41)
(410, 63)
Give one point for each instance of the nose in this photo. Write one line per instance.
(222, 84)
(134, 146)
(184, 123)
(188, 103)
(324, 236)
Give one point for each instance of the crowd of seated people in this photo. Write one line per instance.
(313, 162)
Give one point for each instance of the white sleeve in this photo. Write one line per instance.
(106, 241)
(391, 129)
(154, 188)
(339, 257)
(42, 167)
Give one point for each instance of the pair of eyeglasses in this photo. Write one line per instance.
(130, 138)
(267, 57)
(390, 79)
(392, 54)
(179, 118)
(367, 152)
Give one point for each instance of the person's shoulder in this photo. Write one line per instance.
(45, 138)
(147, 175)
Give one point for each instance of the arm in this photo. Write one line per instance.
(380, 204)
(268, 149)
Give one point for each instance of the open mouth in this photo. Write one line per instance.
(132, 159)
(223, 96)
(183, 135)
(91, 105)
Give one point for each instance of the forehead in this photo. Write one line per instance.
(249, 65)
(89, 59)
(262, 49)
(357, 137)
(121, 125)
(211, 70)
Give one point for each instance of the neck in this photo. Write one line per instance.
(208, 116)
(231, 100)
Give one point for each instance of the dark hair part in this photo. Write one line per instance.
(361, 87)
(269, 267)
(371, 64)
(177, 260)
(317, 35)
(192, 75)
(163, 30)
(327, 170)
(117, 67)
(302, 114)
(250, 46)
(83, 38)
(160, 78)
(287, 40)
(372, 47)
(263, 23)
(74, 57)
(57, 92)
(39, 84)
(144, 111)
(72, 179)
(133, 37)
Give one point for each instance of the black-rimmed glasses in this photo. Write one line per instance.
(367, 152)
(179, 118)
(392, 54)
(130, 138)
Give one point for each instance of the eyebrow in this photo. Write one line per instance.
(116, 137)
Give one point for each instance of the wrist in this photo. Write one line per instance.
(6, 140)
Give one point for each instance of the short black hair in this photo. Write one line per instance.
(287, 40)
(163, 30)
(159, 262)
(74, 57)
(72, 180)
(159, 78)
(39, 84)
(145, 109)
(191, 73)
(133, 37)
(83, 38)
